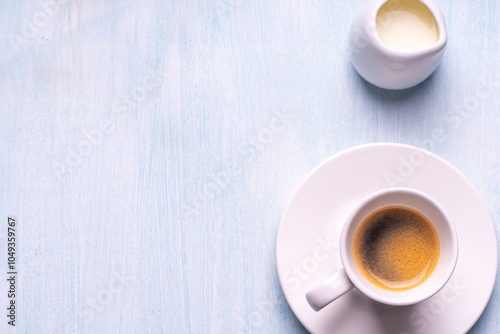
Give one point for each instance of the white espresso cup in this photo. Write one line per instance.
(350, 276)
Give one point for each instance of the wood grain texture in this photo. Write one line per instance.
(148, 150)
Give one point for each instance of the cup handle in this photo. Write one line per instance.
(331, 289)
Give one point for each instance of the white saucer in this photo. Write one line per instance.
(307, 243)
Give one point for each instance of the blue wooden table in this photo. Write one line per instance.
(149, 148)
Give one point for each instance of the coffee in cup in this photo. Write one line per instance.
(396, 248)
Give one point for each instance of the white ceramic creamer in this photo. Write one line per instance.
(397, 44)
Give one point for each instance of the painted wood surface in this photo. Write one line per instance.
(148, 150)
